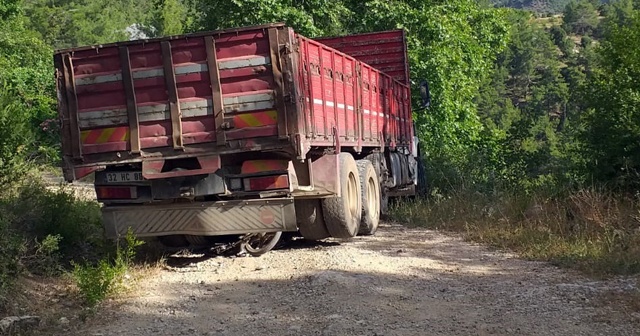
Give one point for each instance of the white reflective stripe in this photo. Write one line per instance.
(340, 106)
(179, 70)
(241, 63)
(98, 79)
(317, 101)
(330, 104)
(397, 118)
(349, 107)
(367, 111)
(155, 112)
(382, 115)
(374, 113)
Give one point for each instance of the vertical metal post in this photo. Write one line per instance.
(132, 107)
(172, 90)
(216, 90)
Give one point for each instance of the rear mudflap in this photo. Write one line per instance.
(201, 218)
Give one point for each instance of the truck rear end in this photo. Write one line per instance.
(220, 133)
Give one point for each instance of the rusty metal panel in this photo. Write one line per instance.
(385, 51)
(209, 219)
(132, 107)
(72, 105)
(325, 175)
(278, 81)
(152, 168)
(216, 90)
(172, 90)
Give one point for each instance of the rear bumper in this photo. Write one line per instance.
(202, 219)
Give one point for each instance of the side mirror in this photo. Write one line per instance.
(425, 95)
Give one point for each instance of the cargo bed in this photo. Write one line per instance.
(254, 89)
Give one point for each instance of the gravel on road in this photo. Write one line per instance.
(400, 282)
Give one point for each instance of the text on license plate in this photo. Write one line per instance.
(119, 177)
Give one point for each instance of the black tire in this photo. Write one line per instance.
(197, 240)
(268, 240)
(384, 202)
(310, 220)
(377, 159)
(422, 189)
(370, 197)
(173, 241)
(342, 214)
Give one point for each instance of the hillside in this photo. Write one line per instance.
(540, 6)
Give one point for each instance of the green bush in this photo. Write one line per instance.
(97, 281)
(37, 212)
(14, 136)
(11, 248)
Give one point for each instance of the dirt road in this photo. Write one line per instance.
(400, 282)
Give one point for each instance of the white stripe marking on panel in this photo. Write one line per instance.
(248, 98)
(179, 70)
(330, 104)
(241, 63)
(191, 68)
(98, 79)
(317, 101)
(140, 74)
(367, 111)
(145, 113)
(349, 107)
(341, 106)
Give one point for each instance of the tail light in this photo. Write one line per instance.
(116, 192)
(266, 183)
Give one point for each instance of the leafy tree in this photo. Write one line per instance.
(612, 118)
(310, 17)
(580, 17)
(8, 9)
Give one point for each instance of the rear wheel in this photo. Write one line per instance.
(310, 221)
(342, 214)
(173, 241)
(260, 243)
(197, 240)
(370, 197)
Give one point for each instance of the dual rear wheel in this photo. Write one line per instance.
(356, 211)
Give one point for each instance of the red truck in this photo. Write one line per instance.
(243, 133)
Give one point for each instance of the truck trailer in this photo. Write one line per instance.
(243, 133)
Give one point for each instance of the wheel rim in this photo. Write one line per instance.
(373, 198)
(352, 195)
(259, 241)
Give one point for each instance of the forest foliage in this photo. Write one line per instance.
(521, 101)
(529, 111)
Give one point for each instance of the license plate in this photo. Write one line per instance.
(123, 177)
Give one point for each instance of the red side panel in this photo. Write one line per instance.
(366, 107)
(385, 51)
(246, 82)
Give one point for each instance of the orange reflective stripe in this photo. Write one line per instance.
(258, 166)
(104, 135)
(256, 119)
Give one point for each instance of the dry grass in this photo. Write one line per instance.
(590, 230)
